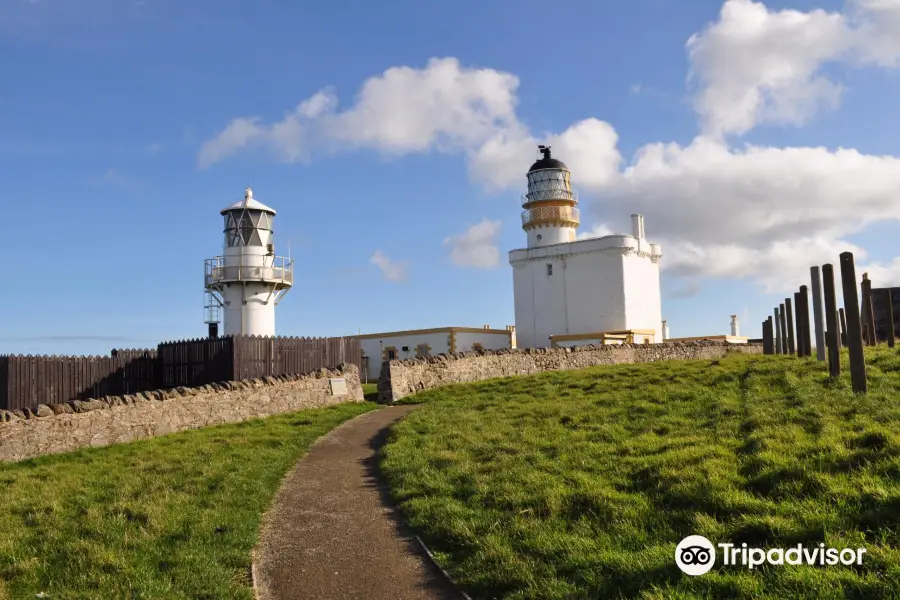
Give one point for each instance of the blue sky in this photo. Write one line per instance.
(111, 110)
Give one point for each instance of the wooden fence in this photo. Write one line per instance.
(32, 380)
(26, 381)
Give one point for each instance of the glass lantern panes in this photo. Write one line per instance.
(549, 184)
(243, 228)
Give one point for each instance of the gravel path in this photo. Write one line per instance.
(333, 534)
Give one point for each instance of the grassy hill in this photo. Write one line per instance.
(580, 484)
(173, 517)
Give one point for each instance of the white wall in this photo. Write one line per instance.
(372, 347)
(488, 341)
(587, 342)
(642, 295)
(593, 282)
(253, 318)
(549, 234)
(596, 299)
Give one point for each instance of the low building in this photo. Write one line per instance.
(391, 345)
(731, 339)
(625, 336)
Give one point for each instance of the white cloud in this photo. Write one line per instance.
(596, 231)
(718, 209)
(390, 270)
(763, 213)
(476, 247)
(443, 107)
(756, 65)
(877, 31)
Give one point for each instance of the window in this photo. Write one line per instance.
(549, 270)
(245, 227)
(423, 350)
(390, 353)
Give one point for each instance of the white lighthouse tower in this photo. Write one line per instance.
(576, 292)
(248, 281)
(550, 216)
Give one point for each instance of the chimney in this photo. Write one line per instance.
(665, 330)
(637, 226)
(734, 326)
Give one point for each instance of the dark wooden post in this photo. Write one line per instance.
(890, 317)
(843, 338)
(768, 346)
(807, 334)
(854, 333)
(789, 318)
(801, 305)
(817, 312)
(831, 321)
(781, 319)
(798, 325)
(866, 314)
(776, 334)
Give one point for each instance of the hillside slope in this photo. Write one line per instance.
(580, 484)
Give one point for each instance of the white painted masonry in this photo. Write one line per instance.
(568, 287)
(378, 347)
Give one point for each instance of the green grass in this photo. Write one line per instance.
(579, 485)
(172, 517)
(370, 391)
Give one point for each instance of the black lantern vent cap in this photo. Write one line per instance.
(547, 162)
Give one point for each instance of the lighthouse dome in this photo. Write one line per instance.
(547, 162)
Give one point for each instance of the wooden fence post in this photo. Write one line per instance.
(817, 312)
(831, 321)
(890, 317)
(782, 319)
(843, 339)
(768, 347)
(777, 333)
(798, 317)
(854, 333)
(866, 314)
(789, 318)
(807, 334)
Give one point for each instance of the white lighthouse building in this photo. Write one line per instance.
(248, 281)
(568, 292)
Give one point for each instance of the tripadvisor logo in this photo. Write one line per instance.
(696, 555)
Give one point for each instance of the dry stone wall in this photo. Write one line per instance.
(400, 378)
(98, 422)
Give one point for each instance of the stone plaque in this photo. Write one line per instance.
(338, 386)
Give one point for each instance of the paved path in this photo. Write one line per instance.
(332, 533)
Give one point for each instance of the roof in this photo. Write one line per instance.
(248, 202)
(390, 334)
(547, 162)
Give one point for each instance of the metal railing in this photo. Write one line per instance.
(567, 214)
(279, 271)
(540, 195)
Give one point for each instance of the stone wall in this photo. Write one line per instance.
(65, 427)
(400, 378)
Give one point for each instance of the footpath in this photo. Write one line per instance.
(333, 533)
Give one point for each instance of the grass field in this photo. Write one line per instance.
(579, 485)
(370, 391)
(172, 517)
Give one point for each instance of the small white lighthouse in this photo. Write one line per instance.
(248, 281)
